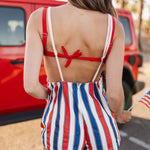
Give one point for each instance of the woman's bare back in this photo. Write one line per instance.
(75, 29)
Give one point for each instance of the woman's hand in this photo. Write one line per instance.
(123, 117)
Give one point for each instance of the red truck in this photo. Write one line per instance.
(14, 15)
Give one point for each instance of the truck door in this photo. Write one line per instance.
(13, 18)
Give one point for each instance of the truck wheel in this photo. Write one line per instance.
(127, 95)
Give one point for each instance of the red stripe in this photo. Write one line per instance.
(90, 58)
(50, 117)
(51, 54)
(44, 38)
(98, 108)
(148, 97)
(98, 84)
(67, 117)
(111, 41)
(87, 136)
(116, 126)
(83, 144)
(145, 100)
(42, 125)
(49, 92)
(112, 36)
(145, 104)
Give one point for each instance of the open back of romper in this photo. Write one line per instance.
(78, 114)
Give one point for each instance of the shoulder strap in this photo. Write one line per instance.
(44, 38)
(111, 38)
(53, 43)
(108, 43)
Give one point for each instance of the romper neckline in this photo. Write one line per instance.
(78, 83)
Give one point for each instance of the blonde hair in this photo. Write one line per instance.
(104, 6)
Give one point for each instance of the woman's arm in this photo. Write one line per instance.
(114, 69)
(33, 58)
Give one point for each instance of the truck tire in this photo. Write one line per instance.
(127, 95)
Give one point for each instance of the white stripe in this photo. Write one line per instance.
(53, 120)
(123, 134)
(87, 121)
(72, 118)
(48, 103)
(108, 38)
(117, 130)
(81, 124)
(110, 32)
(145, 102)
(140, 143)
(140, 99)
(147, 94)
(146, 97)
(106, 118)
(105, 104)
(135, 140)
(61, 122)
(111, 131)
(47, 117)
(110, 128)
(97, 119)
(44, 131)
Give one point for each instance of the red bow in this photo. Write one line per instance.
(70, 57)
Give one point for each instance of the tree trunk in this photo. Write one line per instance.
(122, 3)
(140, 23)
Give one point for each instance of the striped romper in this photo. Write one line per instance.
(77, 114)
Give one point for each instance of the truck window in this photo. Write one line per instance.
(12, 26)
(125, 23)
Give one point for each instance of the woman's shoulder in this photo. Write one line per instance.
(119, 30)
(35, 15)
(35, 20)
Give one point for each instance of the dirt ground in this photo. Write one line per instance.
(27, 135)
(144, 75)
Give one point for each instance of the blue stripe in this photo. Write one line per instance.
(103, 91)
(77, 127)
(96, 93)
(45, 116)
(58, 117)
(115, 132)
(111, 122)
(148, 93)
(93, 122)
